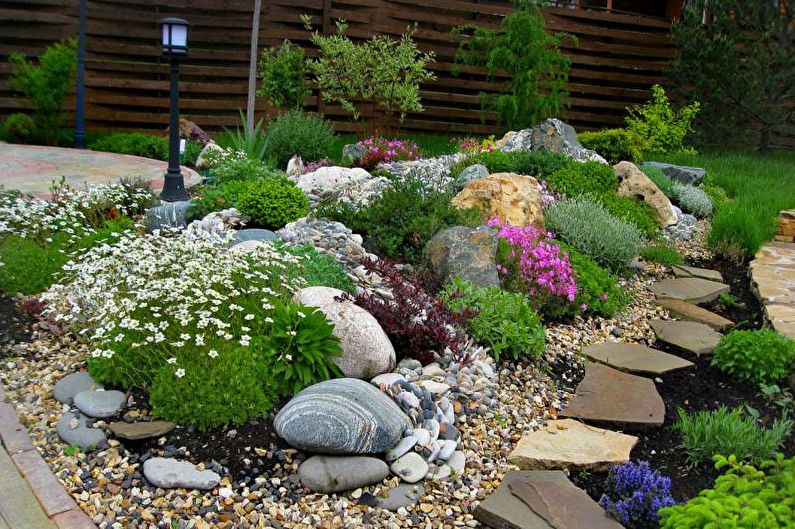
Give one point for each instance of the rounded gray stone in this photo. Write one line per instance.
(342, 416)
(328, 474)
(70, 385)
(404, 495)
(254, 234)
(470, 174)
(73, 429)
(100, 404)
(411, 468)
(169, 473)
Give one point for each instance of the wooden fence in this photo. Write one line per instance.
(617, 58)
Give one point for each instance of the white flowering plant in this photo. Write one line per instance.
(188, 319)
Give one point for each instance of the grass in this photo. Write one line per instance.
(759, 186)
(662, 253)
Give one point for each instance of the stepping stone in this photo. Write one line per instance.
(73, 429)
(100, 404)
(569, 444)
(692, 271)
(170, 473)
(404, 495)
(70, 385)
(691, 289)
(607, 395)
(696, 338)
(561, 506)
(140, 430)
(505, 510)
(329, 474)
(687, 311)
(635, 358)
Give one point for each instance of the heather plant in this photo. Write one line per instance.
(282, 75)
(381, 150)
(760, 356)
(634, 493)
(692, 199)
(418, 324)
(587, 226)
(615, 145)
(724, 431)
(503, 321)
(743, 497)
(662, 128)
(296, 133)
(274, 202)
(576, 179)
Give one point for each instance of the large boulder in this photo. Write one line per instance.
(345, 416)
(680, 173)
(513, 198)
(351, 185)
(632, 182)
(469, 253)
(366, 349)
(550, 135)
(167, 215)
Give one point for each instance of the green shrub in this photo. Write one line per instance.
(660, 179)
(586, 225)
(46, 85)
(133, 143)
(282, 74)
(294, 132)
(18, 128)
(273, 202)
(760, 357)
(540, 164)
(301, 347)
(577, 179)
(503, 321)
(615, 145)
(632, 210)
(320, 270)
(598, 291)
(216, 198)
(496, 161)
(403, 219)
(692, 200)
(243, 169)
(723, 431)
(662, 128)
(662, 253)
(742, 498)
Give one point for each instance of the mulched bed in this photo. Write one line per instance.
(15, 326)
(747, 313)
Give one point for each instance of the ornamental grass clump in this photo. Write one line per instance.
(634, 493)
(192, 322)
(760, 357)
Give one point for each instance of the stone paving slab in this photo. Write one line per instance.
(692, 271)
(635, 358)
(773, 281)
(690, 289)
(33, 168)
(503, 510)
(562, 506)
(689, 312)
(19, 508)
(696, 338)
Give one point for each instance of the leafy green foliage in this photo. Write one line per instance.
(282, 75)
(598, 291)
(662, 127)
(632, 210)
(403, 219)
(301, 346)
(660, 179)
(615, 145)
(692, 199)
(577, 179)
(320, 270)
(723, 431)
(503, 321)
(18, 128)
(586, 225)
(273, 202)
(216, 198)
(381, 70)
(245, 139)
(146, 145)
(243, 169)
(744, 497)
(45, 85)
(537, 68)
(662, 253)
(540, 164)
(740, 66)
(760, 357)
(295, 132)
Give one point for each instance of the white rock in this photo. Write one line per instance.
(448, 448)
(403, 446)
(436, 388)
(387, 379)
(433, 370)
(169, 473)
(410, 468)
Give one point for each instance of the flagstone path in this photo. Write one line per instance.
(689, 312)
(773, 281)
(33, 168)
(635, 358)
(691, 289)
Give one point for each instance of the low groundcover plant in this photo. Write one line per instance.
(634, 493)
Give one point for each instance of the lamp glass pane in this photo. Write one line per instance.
(166, 39)
(179, 36)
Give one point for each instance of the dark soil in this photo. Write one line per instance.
(15, 326)
(745, 311)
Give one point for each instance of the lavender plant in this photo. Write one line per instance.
(634, 493)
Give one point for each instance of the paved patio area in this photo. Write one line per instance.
(32, 168)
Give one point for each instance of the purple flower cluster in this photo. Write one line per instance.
(547, 197)
(634, 493)
(314, 166)
(380, 150)
(541, 265)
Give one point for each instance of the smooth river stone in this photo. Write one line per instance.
(327, 474)
(140, 430)
(342, 416)
(72, 384)
(169, 473)
(100, 404)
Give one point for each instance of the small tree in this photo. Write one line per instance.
(382, 71)
(282, 73)
(45, 85)
(740, 65)
(523, 49)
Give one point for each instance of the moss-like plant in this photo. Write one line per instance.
(273, 202)
(578, 179)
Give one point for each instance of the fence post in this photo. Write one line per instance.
(326, 29)
(252, 66)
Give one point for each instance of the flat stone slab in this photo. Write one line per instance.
(773, 281)
(680, 173)
(610, 396)
(329, 474)
(690, 289)
(569, 444)
(692, 271)
(140, 430)
(635, 358)
(781, 318)
(72, 384)
(73, 429)
(696, 338)
(506, 510)
(100, 404)
(687, 311)
(169, 473)
(561, 506)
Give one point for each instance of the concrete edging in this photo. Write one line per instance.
(56, 503)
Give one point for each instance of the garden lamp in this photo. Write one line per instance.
(175, 46)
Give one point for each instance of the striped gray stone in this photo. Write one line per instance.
(342, 416)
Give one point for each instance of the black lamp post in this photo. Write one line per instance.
(175, 46)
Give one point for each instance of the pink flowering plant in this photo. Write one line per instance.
(472, 145)
(381, 150)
